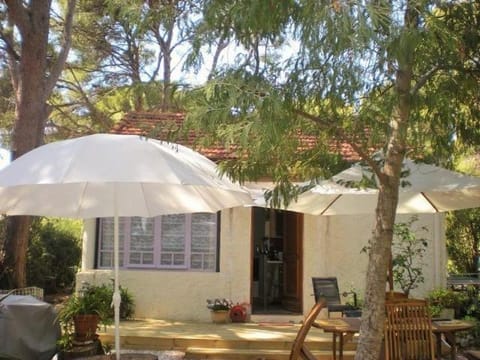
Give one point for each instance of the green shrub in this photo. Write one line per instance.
(54, 253)
(442, 298)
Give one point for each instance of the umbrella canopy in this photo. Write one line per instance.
(106, 175)
(95, 175)
(426, 189)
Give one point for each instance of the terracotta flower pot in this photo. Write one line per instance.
(86, 327)
(220, 316)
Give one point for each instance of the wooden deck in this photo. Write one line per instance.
(239, 341)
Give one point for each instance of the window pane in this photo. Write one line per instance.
(178, 259)
(106, 259)
(173, 233)
(141, 236)
(147, 259)
(204, 241)
(209, 262)
(106, 225)
(204, 232)
(106, 241)
(173, 240)
(135, 258)
(141, 241)
(196, 261)
(166, 259)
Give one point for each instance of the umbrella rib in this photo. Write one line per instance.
(429, 201)
(145, 198)
(80, 200)
(330, 204)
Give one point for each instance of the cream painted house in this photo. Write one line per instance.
(325, 246)
(261, 257)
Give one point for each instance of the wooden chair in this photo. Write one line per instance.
(327, 288)
(408, 331)
(299, 349)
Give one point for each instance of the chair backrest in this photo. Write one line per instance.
(326, 288)
(408, 330)
(394, 295)
(299, 350)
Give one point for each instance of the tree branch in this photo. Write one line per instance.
(58, 66)
(12, 57)
(18, 15)
(422, 81)
(341, 135)
(7, 39)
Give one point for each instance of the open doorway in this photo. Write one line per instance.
(277, 261)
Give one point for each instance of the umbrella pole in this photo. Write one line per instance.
(116, 293)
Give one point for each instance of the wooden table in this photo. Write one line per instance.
(345, 328)
(448, 328)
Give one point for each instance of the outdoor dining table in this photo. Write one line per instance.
(345, 328)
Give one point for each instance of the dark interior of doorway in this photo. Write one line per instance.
(268, 280)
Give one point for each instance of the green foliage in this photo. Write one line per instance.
(463, 240)
(93, 299)
(54, 253)
(442, 298)
(407, 254)
(89, 300)
(463, 226)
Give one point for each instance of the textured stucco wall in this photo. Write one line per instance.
(331, 248)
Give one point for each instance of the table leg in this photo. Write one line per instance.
(340, 350)
(438, 337)
(334, 345)
(450, 337)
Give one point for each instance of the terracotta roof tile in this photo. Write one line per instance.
(167, 126)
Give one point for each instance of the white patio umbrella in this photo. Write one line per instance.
(106, 175)
(426, 189)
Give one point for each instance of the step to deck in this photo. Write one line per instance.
(160, 343)
(243, 341)
(194, 353)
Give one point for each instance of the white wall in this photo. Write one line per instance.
(333, 247)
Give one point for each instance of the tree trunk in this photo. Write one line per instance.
(16, 246)
(373, 316)
(33, 78)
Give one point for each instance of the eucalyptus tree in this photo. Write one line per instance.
(397, 76)
(124, 56)
(35, 57)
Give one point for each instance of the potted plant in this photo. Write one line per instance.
(83, 311)
(81, 315)
(446, 303)
(219, 310)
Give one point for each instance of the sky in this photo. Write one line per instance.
(4, 157)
